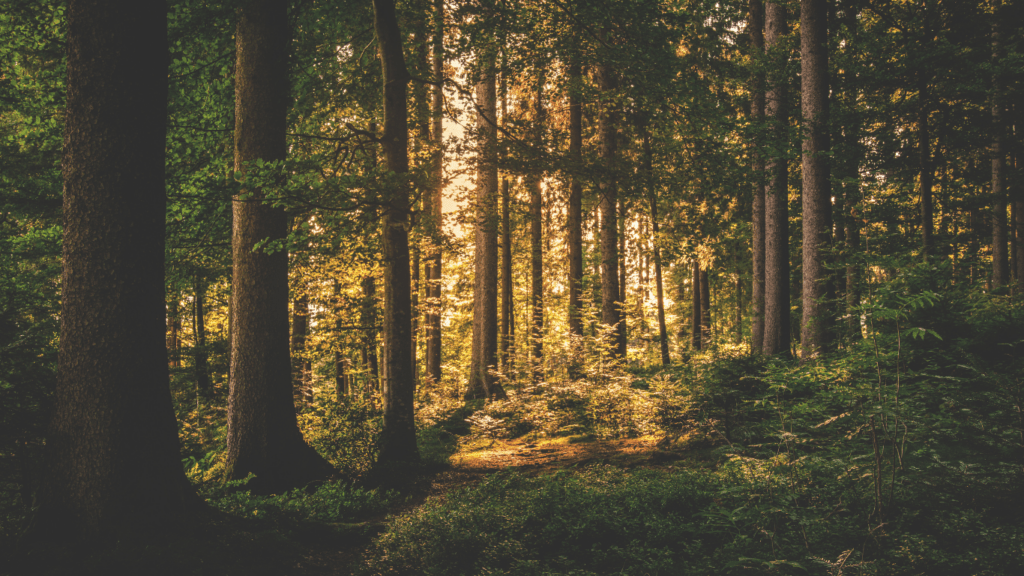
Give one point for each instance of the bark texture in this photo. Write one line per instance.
(695, 311)
(113, 461)
(756, 31)
(536, 243)
(1000, 257)
(433, 209)
(776, 301)
(607, 135)
(574, 216)
(263, 436)
(817, 190)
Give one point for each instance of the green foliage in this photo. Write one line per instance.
(332, 502)
(345, 432)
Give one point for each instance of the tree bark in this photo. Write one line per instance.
(201, 354)
(300, 366)
(174, 323)
(398, 436)
(776, 313)
(1000, 263)
(925, 161)
(695, 317)
(434, 209)
(536, 243)
(574, 216)
(817, 189)
(263, 435)
(368, 321)
(112, 454)
(659, 289)
(705, 307)
(508, 328)
(607, 134)
(756, 31)
(482, 383)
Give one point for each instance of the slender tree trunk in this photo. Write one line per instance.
(263, 436)
(623, 310)
(1000, 264)
(756, 31)
(574, 216)
(695, 317)
(201, 354)
(739, 302)
(368, 321)
(925, 161)
(398, 436)
(300, 326)
(414, 304)
(341, 366)
(817, 190)
(1018, 220)
(536, 243)
(776, 326)
(607, 134)
(434, 209)
(507, 312)
(705, 307)
(112, 453)
(174, 323)
(662, 329)
(485, 292)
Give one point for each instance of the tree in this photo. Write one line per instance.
(536, 240)
(756, 31)
(611, 313)
(398, 438)
(263, 435)
(776, 299)
(817, 190)
(1000, 260)
(433, 209)
(113, 461)
(574, 215)
(695, 310)
(482, 383)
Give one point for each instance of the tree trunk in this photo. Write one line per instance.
(398, 436)
(1000, 264)
(776, 312)
(300, 367)
(739, 303)
(925, 162)
(574, 216)
(368, 321)
(1018, 220)
(174, 323)
(696, 316)
(705, 307)
(607, 134)
(756, 31)
(817, 189)
(201, 354)
(623, 310)
(434, 209)
(113, 461)
(508, 328)
(482, 383)
(263, 436)
(662, 329)
(536, 244)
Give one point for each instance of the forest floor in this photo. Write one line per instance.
(478, 460)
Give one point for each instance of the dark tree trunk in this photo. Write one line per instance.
(607, 134)
(739, 302)
(174, 323)
(485, 291)
(925, 162)
(536, 245)
(776, 312)
(398, 436)
(574, 216)
(817, 190)
(756, 31)
(113, 460)
(508, 328)
(662, 329)
(300, 367)
(1018, 220)
(433, 210)
(1000, 263)
(368, 321)
(695, 315)
(705, 307)
(341, 363)
(263, 435)
(201, 354)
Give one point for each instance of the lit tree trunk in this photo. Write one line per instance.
(263, 435)
(300, 326)
(112, 455)
(652, 192)
(398, 436)
(536, 244)
(756, 31)
(695, 317)
(201, 354)
(574, 216)
(623, 230)
(434, 209)
(1000, 264)
(607, 134)
(482, 383)
(776, 313)
(817, 189)
(414, 304)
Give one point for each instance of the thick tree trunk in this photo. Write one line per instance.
(574, 216)
(300, 367)
(263, 436)
(482, 382)
(201, 354)
(776, 312)
(398, 436)
(695, 311)
(433, 210)
(1000, 263)
(817, 190)
(756, 31)
(607, 134)
(113, 461)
